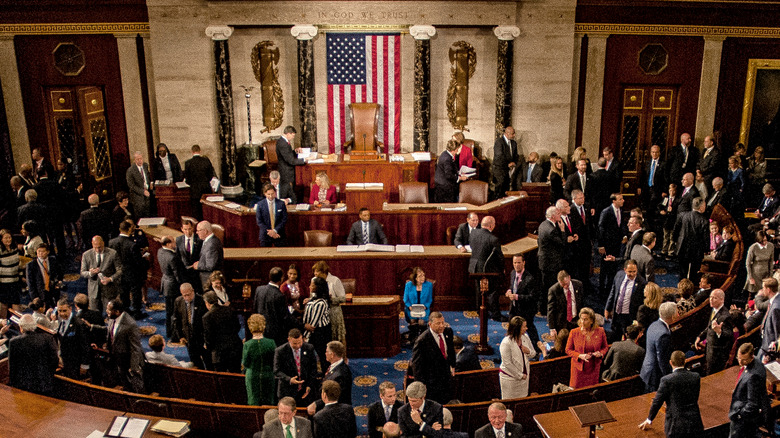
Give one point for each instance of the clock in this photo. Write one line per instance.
(68, 59)
(653, 59)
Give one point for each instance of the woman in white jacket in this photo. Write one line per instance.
(516, 351)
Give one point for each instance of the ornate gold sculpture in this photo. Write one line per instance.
(265, 56)
(464, 61)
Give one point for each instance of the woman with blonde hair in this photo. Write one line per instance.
(322, 192)
(556, 179)
(581, 154)
(586, 346)
(258, 362)
(464, 153)
(648, 311)
(516, 352)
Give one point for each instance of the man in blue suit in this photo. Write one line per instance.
(625, 297)
(657, 354)
(680, 391)
(271, 217)
(749, 401)
(613, 228)
(771, 330)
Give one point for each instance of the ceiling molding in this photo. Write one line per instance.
(74, 28)
(676, 30)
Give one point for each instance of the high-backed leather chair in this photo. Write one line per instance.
(349, 286)
(413, 193)
(189, 218)
(219, 232)
(473, 192)
(365, 124)
(317, 238)
(451, 230)
(269, 154)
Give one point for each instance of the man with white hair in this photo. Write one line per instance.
(498, 426)
(446, 430)
(32, 358)
(718, 196)
(419, 417)
(658, 351)
(211, 253)
(283, 191)
(718, 335)
(552, 245)
(139, 181)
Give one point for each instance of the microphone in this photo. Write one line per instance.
(364, 143)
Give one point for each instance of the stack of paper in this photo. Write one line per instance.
(172, 428)
(421, 156)
(151, 221)
(348, 248)
(355, 186)
(467, 171)
(182, 185)
(374, 185)
(216, 198)
(302, 207)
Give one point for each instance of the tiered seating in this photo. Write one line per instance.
(725, 273)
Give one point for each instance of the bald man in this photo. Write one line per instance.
(139, 182)
(94, 221)
(103, 270)
(718, 334)
(682, 159)
(486, 256)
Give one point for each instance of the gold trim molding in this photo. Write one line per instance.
(73, 28)
(750, 89)
(678, 30)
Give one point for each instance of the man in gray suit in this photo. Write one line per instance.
(211, 253)
(139, 181)
(286, 423)
(172, 269)
(102, 269)
(643, 256)
(624, 358)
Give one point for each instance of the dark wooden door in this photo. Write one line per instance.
(78, 134)
(648, 117)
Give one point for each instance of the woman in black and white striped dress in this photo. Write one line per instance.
(316, 319)
(10, 274)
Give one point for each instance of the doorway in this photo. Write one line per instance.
(648, 117)
(78, 134)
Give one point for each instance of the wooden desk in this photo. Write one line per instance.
(31, 415)
(537, 202)
(378, 273)
(401, 224)
(713, 404)
(173, 203)
(370, 318)
(342, 170)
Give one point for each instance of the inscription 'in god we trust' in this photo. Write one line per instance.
(363, 15)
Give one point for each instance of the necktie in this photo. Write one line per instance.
(63, 327)
(671, 201)
(685, 155)
(712, 315)
(288, 434)
(99, 258)
(442, 347)
(189, 312)
(45, 272)
(387, 412)
(329, 370)
(566, 221)
(741, 369)
(111, 331)
(530, 169)
(187, 245)
(582, 182)
(582, 213)
(617, 216)
(297, 356)
(622, 297)
(272, 213)
(146, 183)
(500, 434)
(365, 232)
(569, 313)
(652, 173)
(517, 281)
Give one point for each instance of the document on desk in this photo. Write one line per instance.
(151, 221)
(355, 186)
(421, 156)
(374, 185)
(416, 248)
(182, 185)
(317, 161)
(232, 205)
(304, 153)
(350, 248)
(217, 198)
(378, 247)
(135, 428)
(302, 207)
(403, 248)
(456, 208)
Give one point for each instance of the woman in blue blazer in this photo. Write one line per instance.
(417, 291)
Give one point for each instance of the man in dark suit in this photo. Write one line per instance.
(601, 184)
(771, 330)
(103, 270)
(446, 430)
(581, 220)
(211, 253)
(718, 334)
(40, 163)
(386, 409)
(462, 236)
(284, 192)
(334, 420)
(613, 167)
(466, 358)
(688, 194)
(709, 163)
(220, 333)
(719, 196)
(576, 180)
(419, 415)
(613, 227)
(498, 426)
(523, 294)
(32, 358)
(270, 303)
(532, 170)
(691, 232)
(73, 337)
(680, 391)
(624, 358)
(139, 182)
(705, 289)
(681, 159)
(564, 301)
(366, 230)
(94, 221)
(768, 205)
(433, 359)
(271, 217)
(653, 183)
(19, 189)
(287, 422)
(33, 210)
(658, 351)
(133, 264)
(123, 341)
(288, 158)
(44, 276)
(187, 324)
(83, 312)
(625, 297)
(172, 270)
(486, 256)
(445, 177)
(552, 247)
(749, 401)
(198, 173)
(505, 160)
(53, 197)
(338, 371)
(188, 247)
(295, 369)
(643, 256)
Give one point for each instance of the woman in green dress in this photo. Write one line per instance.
(258, 362)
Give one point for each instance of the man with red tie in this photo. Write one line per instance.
(339, 372)
(564, 301)
(749, 401)
(433, 359)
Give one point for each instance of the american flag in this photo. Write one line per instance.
(364, 68)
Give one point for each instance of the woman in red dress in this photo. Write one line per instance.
(323, 194)
(587, 346)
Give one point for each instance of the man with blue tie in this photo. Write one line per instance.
(653, 185)
(386, 409)
(271, 217)
(366, 230)
(626, 296)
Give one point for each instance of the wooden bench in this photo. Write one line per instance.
(195, 384)
(723, 273)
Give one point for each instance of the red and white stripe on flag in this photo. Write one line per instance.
(379, 81)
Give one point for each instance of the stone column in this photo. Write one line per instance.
(708, 88)
(594, 94)
(422, 85)
(131, 95)
(14, 104)
(506, 36)
(224, 88)
(307, 103)
(575, 91)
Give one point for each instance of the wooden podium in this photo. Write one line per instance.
(591, 415)
(482, 279)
